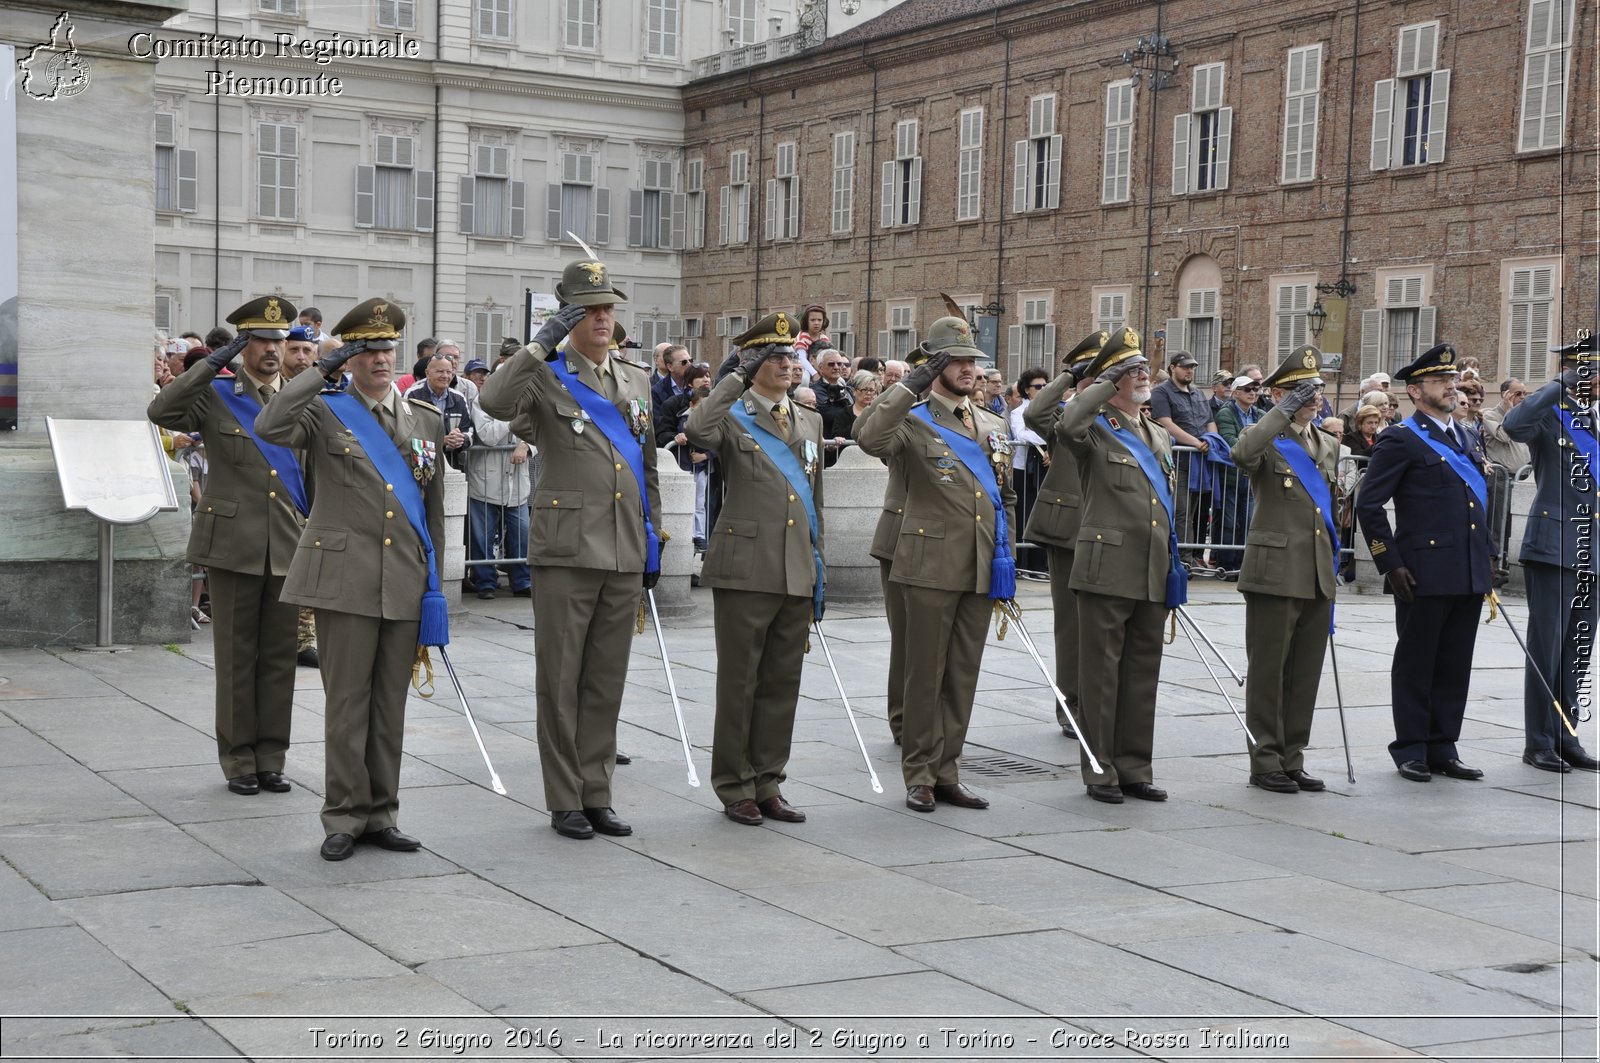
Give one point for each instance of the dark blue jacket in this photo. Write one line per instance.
(1561, 525)
(1441, 531)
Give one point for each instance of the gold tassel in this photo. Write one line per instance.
(639, 625)
(1005, 622)
(1172, 635)
(422, 663)
(808, 643)
(1494, 606)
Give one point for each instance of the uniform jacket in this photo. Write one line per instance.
(586, 510)
(1559, 532)
(1498, 443)
(245, 521)
(1441, 532)
(947, 533)
(1124, 540)
(1058, 509)
(762, 538)
(886, 537)
(358, 553)
(1286, 552)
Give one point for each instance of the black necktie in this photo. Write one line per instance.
(1450, 432)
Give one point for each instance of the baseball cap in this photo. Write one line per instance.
(1183, 358)
(303, 333)
(1222, 376)
(1241, 381)
(475, 365)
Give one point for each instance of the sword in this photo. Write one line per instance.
(494, 779)
(1338, 691)
(672, 688)
(1010, 609)
(1555, 702)
(877, 787)
(1237, 678)
(1187, 624)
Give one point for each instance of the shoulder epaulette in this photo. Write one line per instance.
(423, 404)
(630, 361)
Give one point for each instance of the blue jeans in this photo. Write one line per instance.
(507, 524)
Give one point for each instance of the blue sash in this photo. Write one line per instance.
(1470, 474)
(778, 452)
(1177, 575)
(1003, 567)
(353, 413)
(1309, 473)
(607, 418)
(245, 408)
(1583, 439)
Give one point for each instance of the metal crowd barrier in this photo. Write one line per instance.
(477, 453)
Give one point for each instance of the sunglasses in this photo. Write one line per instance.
(1248, 387)
(1035, 386)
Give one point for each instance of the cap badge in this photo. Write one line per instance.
(782, 327)
(1309, 361)
(273, 313)
(596, 272)
(1447, 356)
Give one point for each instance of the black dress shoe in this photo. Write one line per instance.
(1543, 759)
(274, 781)
(956, 794)
(1304, 781)
(623, 758)
(338, 846)
(245, 784)
(896, 739)
(1455, 770)
(307, 658)
(775, 807)
(746, 812)
(1276, 781)
(1068, 732)
(571, 824)
(919, 798)
(391, 839)
(1111, 795)
(526, 592)
(606, 821)
(1144, 791)
(1578, 758)
(1416, 771)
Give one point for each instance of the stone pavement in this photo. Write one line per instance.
(153, 914)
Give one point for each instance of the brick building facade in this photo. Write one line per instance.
(1441, 157)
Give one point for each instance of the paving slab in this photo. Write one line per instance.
(1377, 925)
(1569, 867)
(441, 917)
(33, 674)
(197, 793)
(1566, 919)
(1568, 987)
(1368, 867)
(112, 733)
(62, 970)
(1142, 856)
(60, 793)
(179, 1037)
(23, 906)
(20, 747)
(113, 856)
(1567, 1044)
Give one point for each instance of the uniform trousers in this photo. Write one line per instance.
(582, 638)
(1561, 634)
(761, 646)
(253, 637)
(948, 628)
(1119, 645)
(1285, 640)
(366, 667)
(1064, 601)
(895, 607)
(1431, 673)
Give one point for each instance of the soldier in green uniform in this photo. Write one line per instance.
(363, 562)
(1288, 574)
(763, 564)
(1125, 571)
(953, 545)
(592, 535)
(1059, 511)
(244, 533)
(884, 539)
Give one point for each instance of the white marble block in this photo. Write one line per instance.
(852, 499)
(676, 519)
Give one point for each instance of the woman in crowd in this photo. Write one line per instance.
(1362, 435)
(866, 387)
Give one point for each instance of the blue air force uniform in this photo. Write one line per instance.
(1441, 535)
(1558, 561)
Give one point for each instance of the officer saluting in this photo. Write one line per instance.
(366, 562)
(1287, 579)
(1058, 513)
(244, 533)
(1436, 561)
(763, 564)
(1558, 424)
(592, 535)
(1126, 571)
(954, 552)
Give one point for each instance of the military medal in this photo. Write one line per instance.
(423, 457)
(945, 466)
(577, 425)
(1116, 426)
(811, 457)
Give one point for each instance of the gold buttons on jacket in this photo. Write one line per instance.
(347, 450)
(208, 509)
(388, 514)
(1470, 505)
(555, 501)
(1097, 538)
(272, 494)
(791, 498)
(1153, 501)
(791, 522)
(619, 494)
(317, 543)
(979, 494)
(919, 531)
(388, 487)
(619, 466)
(978, 516)
(238, 431)
(1431, 543)
(1152, 524)
(1474, 527)
(272, 472)
(386, 542)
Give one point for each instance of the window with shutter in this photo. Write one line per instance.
(1530, 315)
(394, 205)
(492, 195)
(1202, 139)
(278, 7)
(742, 21)
(164, 312)
(1110, 308)
(577, 196)
(695, 206)
(1404, 326)
(1291, 326)
(1410, 111)
(166, 139)
(735, 221)
(1301, 102)
(844, 179)
(397, 14)
(1037, 340)
(277, 171)
(493, 21)
(783, 195)
(581, 24)
(663, 26)
(902, 179)
(1116, 160)
(489, 327)
(650, 209)
(969, 165)
(1037, 165)
(1202, 327)
(840, 330)
(1545, 68)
